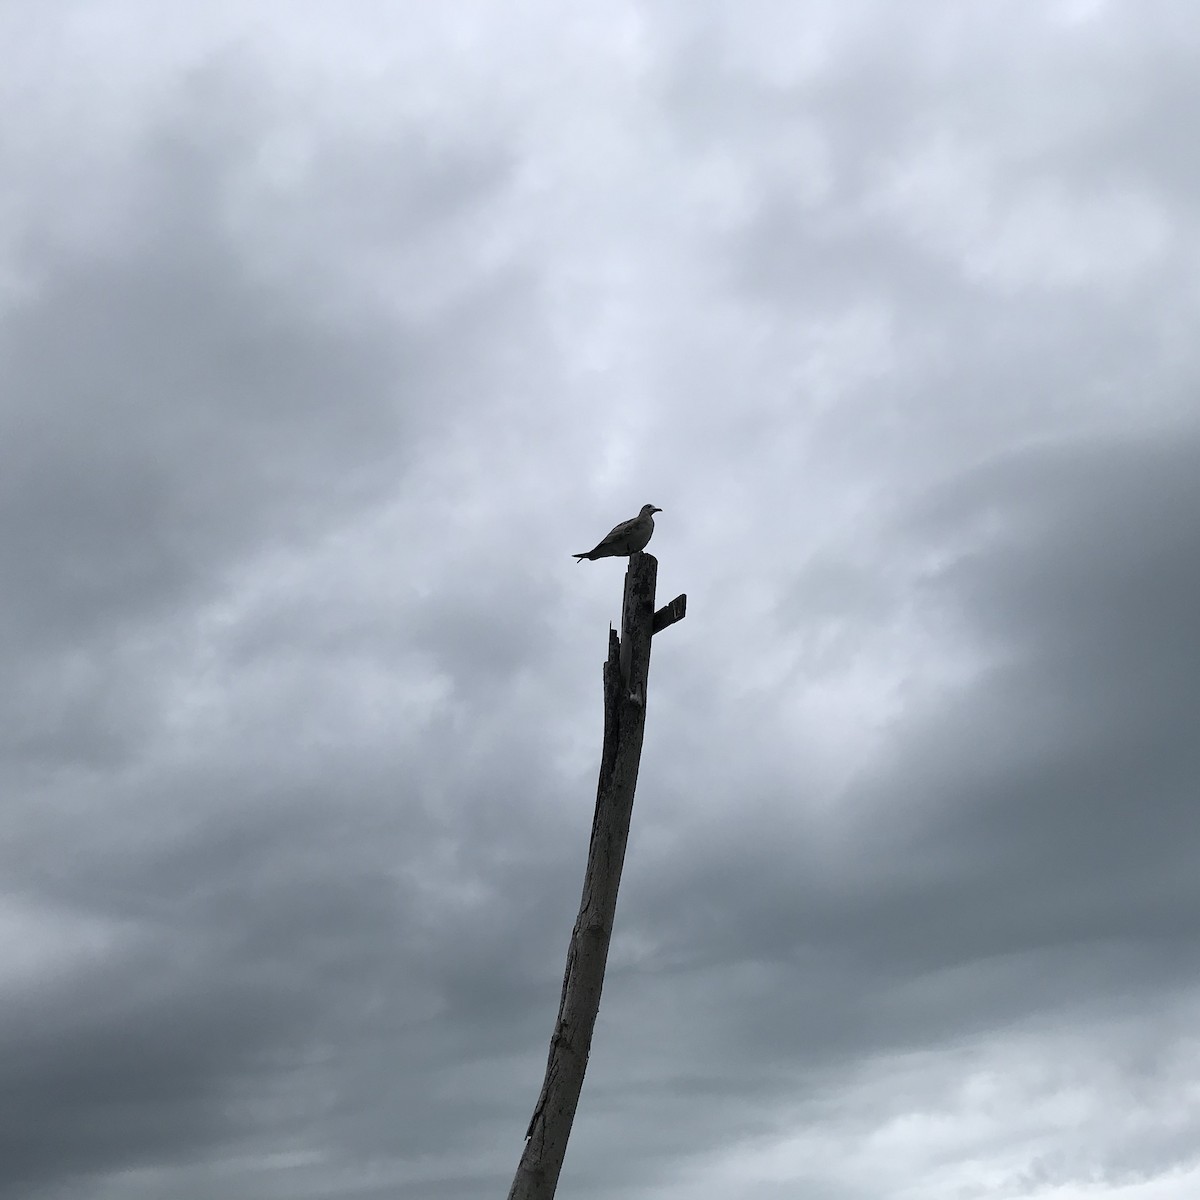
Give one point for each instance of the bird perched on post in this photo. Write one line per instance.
(627, 538)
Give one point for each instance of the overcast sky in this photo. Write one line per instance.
(328, 332)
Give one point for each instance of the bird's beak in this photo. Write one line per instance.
(658, 510)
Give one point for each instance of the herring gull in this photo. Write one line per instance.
(627, 538)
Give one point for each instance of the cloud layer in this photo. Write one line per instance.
(327, 339)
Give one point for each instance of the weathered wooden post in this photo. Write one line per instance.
(625, 675)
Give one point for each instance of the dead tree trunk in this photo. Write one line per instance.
(625, 675)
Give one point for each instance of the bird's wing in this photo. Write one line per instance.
(620, 531)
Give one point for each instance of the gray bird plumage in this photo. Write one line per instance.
(627, 538)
